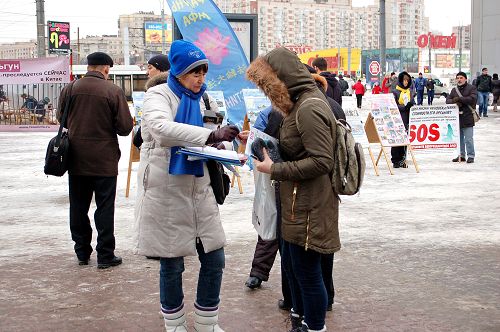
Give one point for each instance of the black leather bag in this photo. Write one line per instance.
(219, 180)
(57, 156)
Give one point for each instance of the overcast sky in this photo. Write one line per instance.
(97, 17)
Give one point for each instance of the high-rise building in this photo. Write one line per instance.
(321, 24)
(110, 44)
(466, 32)
(139, 51)
(18, 50)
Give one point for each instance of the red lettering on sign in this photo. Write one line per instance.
(438, 41)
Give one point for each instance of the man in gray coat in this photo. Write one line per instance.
(98, 112)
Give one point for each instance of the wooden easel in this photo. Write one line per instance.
(135, 156)
(241, 149)
(374, 138)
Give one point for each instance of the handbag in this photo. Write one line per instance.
(219, 180)
(57, 155)
(475, 115)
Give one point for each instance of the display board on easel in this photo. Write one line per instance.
(384, 126)
(355, 120)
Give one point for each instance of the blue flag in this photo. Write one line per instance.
(202, 23)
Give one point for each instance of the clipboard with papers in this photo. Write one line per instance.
(208, 152)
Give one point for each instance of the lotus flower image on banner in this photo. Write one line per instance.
(202, 23)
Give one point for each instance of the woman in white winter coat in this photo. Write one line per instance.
(176, 212)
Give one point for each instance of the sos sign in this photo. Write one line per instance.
(424, 132)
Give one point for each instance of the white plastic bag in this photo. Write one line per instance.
(264, 215)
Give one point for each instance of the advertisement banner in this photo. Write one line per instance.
(34, 71)
(435, 128)
(372, 70)
(202, 23)
(58, 37)
(152, 32)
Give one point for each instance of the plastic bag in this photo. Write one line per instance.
(264, 215)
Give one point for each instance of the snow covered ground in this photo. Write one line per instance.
(420, 251)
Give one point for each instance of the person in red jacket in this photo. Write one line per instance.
(359, 90)
(385, 84)
(376, 89)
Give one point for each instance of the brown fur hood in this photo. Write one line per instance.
(282, 78)
(156, 80)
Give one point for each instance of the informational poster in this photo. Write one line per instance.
(388, 123)
(355, 120)
(242, 32)
(255, 101)
(34, 71)
(435, 128)
(58, 37)
(138, 101)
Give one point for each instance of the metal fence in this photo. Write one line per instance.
(29, 104)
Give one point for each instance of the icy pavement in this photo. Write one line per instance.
(421, 252)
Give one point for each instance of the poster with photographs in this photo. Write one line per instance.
(355, 120)
(218, 96)
(255, 102)
(390, 126)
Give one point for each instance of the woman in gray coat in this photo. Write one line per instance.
(176, 212)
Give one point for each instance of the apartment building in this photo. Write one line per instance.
(18, 50)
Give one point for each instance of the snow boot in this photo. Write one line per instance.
(305, 328)
(296, 321)
(175, 320)
(206, 319)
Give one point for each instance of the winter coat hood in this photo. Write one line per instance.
(321, 80)
(156, 80)
(282, 78)
(401, 78)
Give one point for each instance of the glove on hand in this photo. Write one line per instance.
(226, 133)
(272, 150)
(408, 106)
(456, 100)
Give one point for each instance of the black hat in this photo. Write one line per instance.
(99, 59)
(160, 62)
(462, 74)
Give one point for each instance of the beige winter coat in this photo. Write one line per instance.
(172, 211)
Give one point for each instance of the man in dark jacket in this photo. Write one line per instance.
(98, 111)
(430, 90)
(483, 85)
(334, 91)
(420, 84)
(343, 85)
(466, 105)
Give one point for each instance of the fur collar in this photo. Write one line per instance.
(262, 74)
(156, 80)
(322, 80)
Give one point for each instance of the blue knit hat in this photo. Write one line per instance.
(185, 56)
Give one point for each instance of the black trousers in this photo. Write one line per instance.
(81, 189)
(359, 99)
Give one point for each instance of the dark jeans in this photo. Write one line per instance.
(209, 279)
(359, 99)
(398, 153)
(81, 189)
(327, 272)
(309, 296)
(430, 97)
(420, 97)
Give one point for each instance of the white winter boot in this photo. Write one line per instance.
(306, 329)
(175, 320)
(206, 319)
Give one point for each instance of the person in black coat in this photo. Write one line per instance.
(464, 95)
(334, 91)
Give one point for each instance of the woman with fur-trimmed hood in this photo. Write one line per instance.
(309, 206)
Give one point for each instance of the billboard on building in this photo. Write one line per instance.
(152, 32)
(58, 37)
(336, 62)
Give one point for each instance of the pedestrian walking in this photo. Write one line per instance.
(98, 112)
(176, 213)
(359, 90)
(484, 87)
(308, 204)
(464, 95)
(334, 90)
(420, 85)
(430, 85)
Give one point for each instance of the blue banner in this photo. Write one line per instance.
(202, 23)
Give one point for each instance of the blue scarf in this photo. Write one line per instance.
(188, 112)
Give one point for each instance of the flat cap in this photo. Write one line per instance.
(99, 59)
